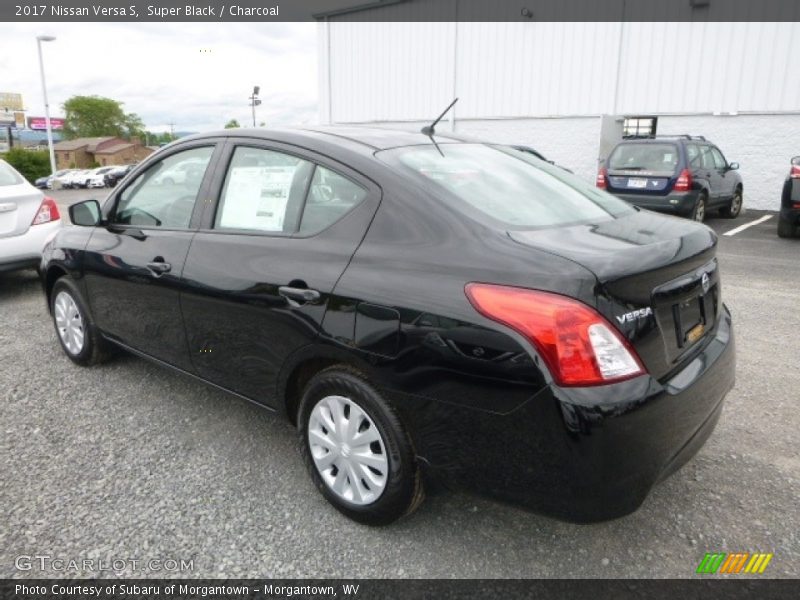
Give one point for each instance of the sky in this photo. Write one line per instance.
(196, 76)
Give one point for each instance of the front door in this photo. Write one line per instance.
(133, 263)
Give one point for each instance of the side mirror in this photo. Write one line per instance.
(733, 166)
(85, 214)
(796, 161)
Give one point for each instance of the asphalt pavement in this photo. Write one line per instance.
(131, 461)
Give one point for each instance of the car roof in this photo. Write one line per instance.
(370, 139)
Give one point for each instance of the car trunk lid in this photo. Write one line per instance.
(658, 280)
(18, 206)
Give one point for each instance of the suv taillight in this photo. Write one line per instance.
(795, 172)
(48, 211)
(602, 179)
(684, 182)
(578, 345)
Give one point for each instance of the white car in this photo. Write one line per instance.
(28, 219)
(97, 178)
(81, 178)
(61, 178)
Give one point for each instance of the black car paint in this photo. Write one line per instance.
(789, 215)
(482, 410)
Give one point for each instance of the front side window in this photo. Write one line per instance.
(164, 195)
(505, 186)
(719, 160)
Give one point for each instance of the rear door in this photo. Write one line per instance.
(133, 264)
(261, 271)
(19, 202)
(643, 168)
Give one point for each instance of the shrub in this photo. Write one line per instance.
(32, 164)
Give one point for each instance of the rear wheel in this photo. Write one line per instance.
(785, 228)
(356, 449)
(734, 208)
(76, 332)
(699, 212)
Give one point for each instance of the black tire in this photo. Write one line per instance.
(403, 491)
(785, 228)
(700, 207)
(94, 349)
(734, 209)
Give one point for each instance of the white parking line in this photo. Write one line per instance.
(746, 225)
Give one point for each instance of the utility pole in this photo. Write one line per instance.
(254, 101)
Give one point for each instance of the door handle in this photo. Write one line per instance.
(159, 267)
(299, 295)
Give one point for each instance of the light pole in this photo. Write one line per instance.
(254, 101)
(39, 40)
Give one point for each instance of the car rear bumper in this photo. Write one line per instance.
(23, 251)
(675, 203)
(586, 454)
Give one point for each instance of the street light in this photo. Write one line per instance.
(39, 40)
(254, 101)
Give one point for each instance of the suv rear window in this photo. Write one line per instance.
(505, 185)
(644, 157)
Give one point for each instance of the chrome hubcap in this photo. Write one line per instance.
(69, 323)
(700, 213)
(348, 450)
(737, 204)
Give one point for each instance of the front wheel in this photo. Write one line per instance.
(356, 449)
(76, 332)
(734, 208)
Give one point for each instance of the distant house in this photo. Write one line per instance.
(82, 153)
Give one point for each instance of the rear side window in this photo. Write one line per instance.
(8, 176)
(644, 157)
(330, 197)
(505, 186)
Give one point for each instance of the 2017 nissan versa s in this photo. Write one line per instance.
(414, 305)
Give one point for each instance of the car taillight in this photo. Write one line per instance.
(602, 179)
(684, 182)
(795, 172)
(578, 345)
(48, 211)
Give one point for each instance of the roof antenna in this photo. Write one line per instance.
(429, 130)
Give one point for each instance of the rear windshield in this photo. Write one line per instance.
(8, 176)
(644, 157)
(505, 185)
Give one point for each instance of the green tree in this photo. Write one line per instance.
(31, 164)
(95, 116)
(232, 124)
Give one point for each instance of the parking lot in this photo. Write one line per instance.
(129, 460)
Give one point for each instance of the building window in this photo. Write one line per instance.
(639, 126)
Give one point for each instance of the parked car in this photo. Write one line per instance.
(789, 216)
(179, 174)
(81, 178)
(41, 182)
(97, 177)
(61, 179)
(411, 304)
(539, 155)
(117, 173)
(27, 219)
(683, 175)
(51, 180)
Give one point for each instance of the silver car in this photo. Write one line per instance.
(28, 219)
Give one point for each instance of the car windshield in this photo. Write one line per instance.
(644, 157)
(505, 185)
(9, 176)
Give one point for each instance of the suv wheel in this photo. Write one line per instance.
(699, 212)
(734, 208)
(785, 228)
(356, 449)
(76, 332)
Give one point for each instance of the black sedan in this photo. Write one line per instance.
(789, 217)
(414, 305)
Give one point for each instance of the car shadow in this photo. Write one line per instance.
(14, 284)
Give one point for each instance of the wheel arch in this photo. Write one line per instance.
(53, 274)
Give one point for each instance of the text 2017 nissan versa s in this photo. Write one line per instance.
(414, 305)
